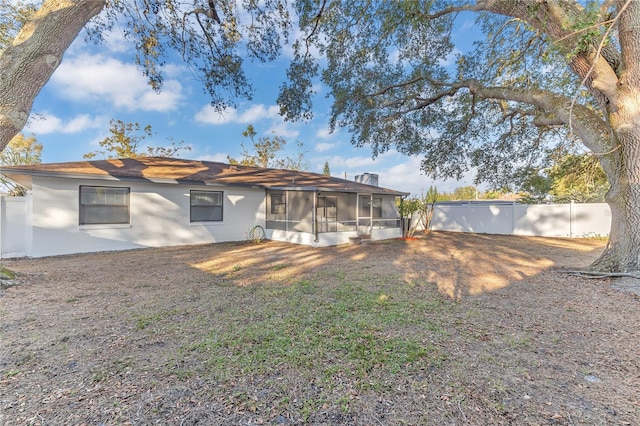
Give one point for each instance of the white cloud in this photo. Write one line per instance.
(84, 122)
(166, 100)
(394, 170)
(94, 143)
(351, 163)
(174, 70)
(218, 157)
(282, 129)
(258, 112)
(252, 114)
(44, 124)
(405, 177)
(325, 133)
(324, 146)
(48, 123)
(115, 42)
(210, 115)
(91, 78)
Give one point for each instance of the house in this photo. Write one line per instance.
(120, 204)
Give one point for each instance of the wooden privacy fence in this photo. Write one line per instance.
(545, 220)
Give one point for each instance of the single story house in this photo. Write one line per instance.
(119, 204)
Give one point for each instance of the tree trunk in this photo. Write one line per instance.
(27, 65)
(619, 254)
(622, 253)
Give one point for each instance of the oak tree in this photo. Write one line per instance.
(215, 37)
(542, 73)
(578, 178)
(570, 177)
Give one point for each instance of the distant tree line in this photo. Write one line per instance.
(569, 177)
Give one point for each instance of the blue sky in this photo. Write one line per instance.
(95, 84)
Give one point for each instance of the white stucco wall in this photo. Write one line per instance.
(159, 215)
(326, 239)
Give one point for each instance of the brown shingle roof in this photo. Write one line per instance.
(194, 172)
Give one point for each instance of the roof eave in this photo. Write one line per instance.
(20, 171)
(373, 190)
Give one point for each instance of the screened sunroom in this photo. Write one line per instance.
(321, 217)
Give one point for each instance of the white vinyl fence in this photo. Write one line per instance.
(545, 220)
(15, 226)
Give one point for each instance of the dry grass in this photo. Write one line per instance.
(451, 329)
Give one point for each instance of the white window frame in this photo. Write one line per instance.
(103, 199)
(213, 207)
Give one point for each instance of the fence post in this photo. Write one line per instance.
(571, 215)
(2, 224)
(513, 218)
(28, 206)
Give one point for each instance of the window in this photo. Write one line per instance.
(376, 210)
(206, 206)
(370, 206)
(104, 205)
(278, 203)
(327, 212)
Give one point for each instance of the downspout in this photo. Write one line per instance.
(357, 214)
(371, 216)
(315, 216)
(403, 218)
(286, 213)
(572, 214)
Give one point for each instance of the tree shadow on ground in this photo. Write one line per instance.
(480, 263)
(459, 265)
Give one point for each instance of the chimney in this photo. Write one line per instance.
(367, 178)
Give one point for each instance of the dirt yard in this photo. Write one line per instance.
(451, 329)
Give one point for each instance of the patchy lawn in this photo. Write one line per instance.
(451, 329)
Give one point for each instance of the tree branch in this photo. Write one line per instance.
(385, 89)
(554, 109)
(425, 102)
(316, 24)
(28, 63)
